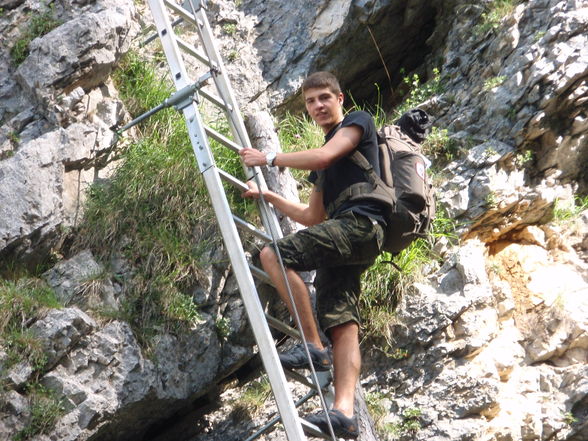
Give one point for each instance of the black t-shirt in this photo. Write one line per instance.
(344, 172)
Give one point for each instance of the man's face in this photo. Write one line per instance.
(324, 107)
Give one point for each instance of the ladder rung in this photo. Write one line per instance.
(277, 419)
(250, 228)
(216, 100)
(282, 327)
(260, 274)
(222, 139)
(155, 34)
(299, 378)
(181, 11)
(193, 51)
(230, 179)
(324, 379)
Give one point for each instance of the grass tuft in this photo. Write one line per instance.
(46, 408)
(38, 25)
(21, 303)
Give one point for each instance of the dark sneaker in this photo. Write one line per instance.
(343, 426)
(296, 358)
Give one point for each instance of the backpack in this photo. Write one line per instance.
(403, 186)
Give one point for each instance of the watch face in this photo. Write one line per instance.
(270, 158)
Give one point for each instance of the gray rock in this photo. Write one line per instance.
(60, 330)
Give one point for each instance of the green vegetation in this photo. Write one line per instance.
(409, 422)
(440, 146)
(569, 418)
(38, 25)
(567, 211)
(378, 410)
(155, 209)
(299, 133)
(232, 56)
(383, 285)
(418, 92)
(223, 328)
(20, 303)
(523, 159)
(46, 408)
(254, 397)
(495, 12)
(539, 35)
(230, 28)
(493, 82)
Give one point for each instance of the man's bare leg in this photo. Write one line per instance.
(271, 265)
(347, 363)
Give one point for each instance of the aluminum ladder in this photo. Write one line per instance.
(166, 15)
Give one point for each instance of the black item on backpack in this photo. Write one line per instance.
(403, 186)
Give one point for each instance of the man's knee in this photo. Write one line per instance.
(345, 330)
(267, 257)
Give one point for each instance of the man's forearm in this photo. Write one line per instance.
(296, 211)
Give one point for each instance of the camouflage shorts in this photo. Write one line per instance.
(340, 249)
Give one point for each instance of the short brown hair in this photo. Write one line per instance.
(322, 79)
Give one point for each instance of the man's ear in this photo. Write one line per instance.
(340, 98)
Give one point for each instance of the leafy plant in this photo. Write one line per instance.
(569, 418)
(493, 82)
(38, 25)
(230, 28)
(378, 410)
(223, 328)
(418, 92)
(408, 424)
(522, 159)
(440, 146)
(383, 284)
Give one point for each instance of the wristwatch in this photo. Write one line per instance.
(270, 157)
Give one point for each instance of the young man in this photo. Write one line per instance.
(340, 243)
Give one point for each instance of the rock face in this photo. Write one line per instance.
(56, 110)
(493, 342)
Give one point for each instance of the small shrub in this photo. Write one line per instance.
(569, 418)
(223, 328)
(232, 56)
(409, 423)
(440, 147)
(375, 402)
(418, 92)
(230, 28)
(523, 159)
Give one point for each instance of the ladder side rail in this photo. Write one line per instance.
(268, 216)
(234, 247)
